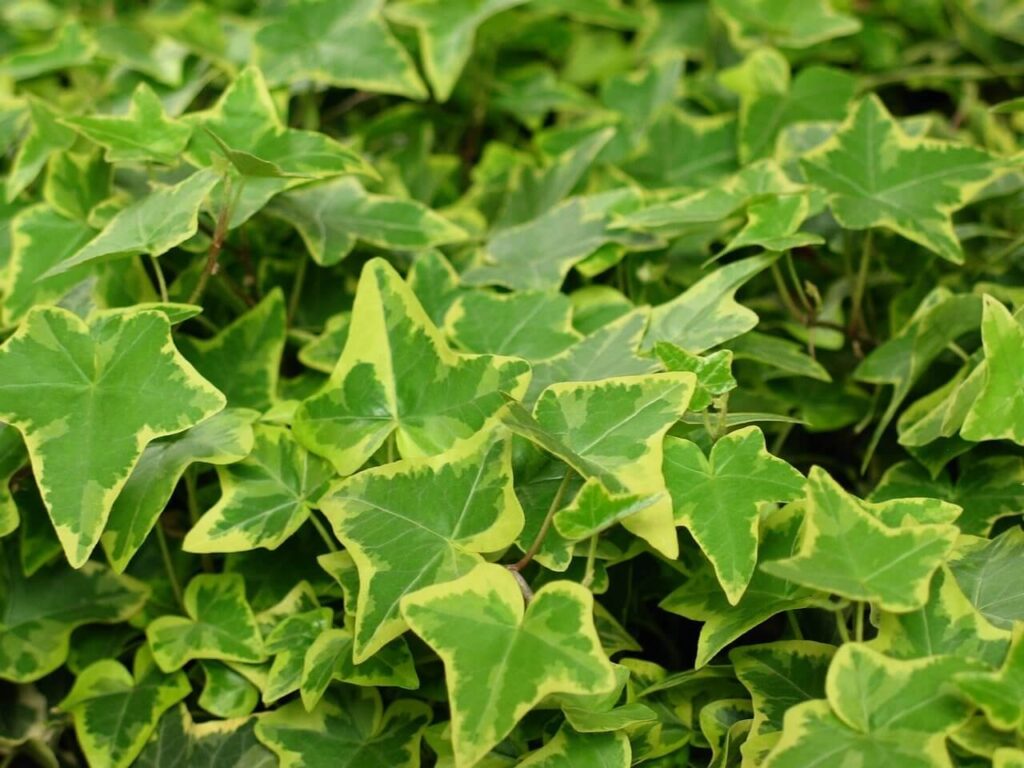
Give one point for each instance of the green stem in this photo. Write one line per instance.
(858, 627)
(172, 576)
(192, 499)
(161, 282)
(794, 625)
(391, 447)
(296, 296)
(791, 268)
(556, 502)
(844, 632)
(217, 239)
(783, 289)
(588, 571)
(323, 532)
(857, 313)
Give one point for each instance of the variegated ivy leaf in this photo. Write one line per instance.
(716, 723)
(226, 692)
(987, 572)
(153, 224)
(222, 439)
(144, 134)
(717, 498)
(784, 23)
(330, 657)
(569, 749)
(322, 352)
(878, 176)
(594, 509)
(884, 553)
(264, 498)
(616, 426)
(1000, 694)
(707, 313)
(946, 624)
(220, 625)
(501, 659)
(115, 710)
(178, 742)
(533, 325)
(778, 676)
(345, 44)
(244, 359)
(332, 217)
(446, 31)
(878, 711)
(12, 458)
(76, 183)
(72, 45)
(701, 597)
(85, 437)
(289, 642)
(46, 136)
(349, 728)
(713, 371)
(435, 516)
(24, 721)
(398, 375)
(997, 411)
(38, 613)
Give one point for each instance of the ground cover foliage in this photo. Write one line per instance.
(502, 382)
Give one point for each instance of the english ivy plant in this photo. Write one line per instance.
(482, 383)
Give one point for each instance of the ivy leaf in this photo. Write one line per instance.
(220, 625)
(115, 710)
(593, 509)
(479, 628)
(178, 742)
(144, 134)
(879, 711)
(717, 498)
(435, 515)
(878, 176)
(783, 23)
(569, 748)
(778, 676)
(986, 571)
(946, 624)
(533, 325)
(713, 371)
(372, 394)
(446, 31)
(244, 359)
(288, 642)
(1000, 694)
(86, 370)
(886, 553)
(152, 225)
(226, 692)
(71, 46)
(12, 458)
(265, 497)
(45, 137)
(701, 597)
(997, 411)
(344, 44)
(222, 439)
(76, 183)
(331, 217)
(616, 427)
(39, 613)
(348, 728)
(707, 313)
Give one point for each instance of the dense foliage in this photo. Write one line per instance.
(511, 382)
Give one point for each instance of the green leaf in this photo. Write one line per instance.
(333, 216)
(71, 46)
(446, 30)
(884, 553)
(222, 439)
(879, 711)
(569, 749)
(714, 371)
(533, 325)
(701, 597)
(220, 625)
(178, 742)
(348, 729)
(344, 44)
(39, 613)
(264, 498)
(593, 509)
(997, 411)
(501, 659)
(76, 183)
(45, 137)
(371, 394)
(144, 134)
(717, 498)
(435, 515)
(227, 693)
(707, 313)
(785, 23)
(986, 571)
(87, 369)
(151, 225)
(115, 710)
(244, 359)
(616, 427)
(1000, 694)
(289, 642)
(878, 176)
(778, 353)
(12, 458)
